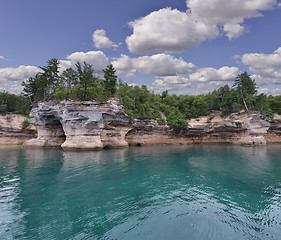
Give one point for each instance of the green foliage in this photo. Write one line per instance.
(110, 80)
(13, 103)
(161, 121)
(210, 118)
(69, 78)
(246, 89)
(3, 109)
(60, 93)
(25, 124)
(81, 84)
(176, 119)
(138, 101)
(275, 104)
(86, 81)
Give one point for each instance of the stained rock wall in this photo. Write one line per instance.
(11, 132)
(89, 125)
(79, 125)
(238, 128)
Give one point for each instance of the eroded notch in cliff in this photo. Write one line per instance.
(52, 132)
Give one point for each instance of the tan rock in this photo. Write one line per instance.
(11, 132)
(79, 125)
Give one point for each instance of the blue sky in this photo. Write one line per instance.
(186, 47)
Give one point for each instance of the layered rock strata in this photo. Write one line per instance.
(238, 128)
(11, 132)
(91, 125)
(79, 125)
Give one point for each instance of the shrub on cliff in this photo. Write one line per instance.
(25, 124)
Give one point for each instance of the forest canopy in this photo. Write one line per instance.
(81, 83)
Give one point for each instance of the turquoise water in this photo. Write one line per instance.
(187, 192)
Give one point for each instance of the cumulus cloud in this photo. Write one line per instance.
(18, 74)
(233, 30)
(230, 14)
(124, 66)
(266, 67)
(263, 90)
(101, 40)
(276, 91)
(168, 30)
(2, 58)
(171, 83)
(263, 61)
(97, 59)
(211, 74)
(158, 65)
(11, 78)
(202, 80)
(173, 31)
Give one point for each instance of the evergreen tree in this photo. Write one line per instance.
(86, 82)
(35, 88)
(245, 89)
(110, 80)
(70, 78)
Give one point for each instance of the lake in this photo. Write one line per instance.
(161, 192)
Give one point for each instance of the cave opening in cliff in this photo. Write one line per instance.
(56, 130)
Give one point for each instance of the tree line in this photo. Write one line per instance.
(139, 102)
(11, 103)
(80, 83)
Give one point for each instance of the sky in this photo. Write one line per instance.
(186, 47)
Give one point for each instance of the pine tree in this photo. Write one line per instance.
(245, 88)
(110, 80)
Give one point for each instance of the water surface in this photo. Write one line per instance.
(183, 192)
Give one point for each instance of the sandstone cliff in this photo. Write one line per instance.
(89, 125)
(11, 132)
(79, 125)
(238, 128)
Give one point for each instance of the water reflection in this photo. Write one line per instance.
(183, 192)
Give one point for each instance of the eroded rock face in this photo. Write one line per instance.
(89, 125)
(11, 132)
(274, 133)
(238, 128)
(79, 125)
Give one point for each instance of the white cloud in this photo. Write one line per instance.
(124, 66)
(263, 90)
(233, 30)
(97, 59)
(262, 61)
(2, 58)
(162, 65)
(176, 84)
(158, 65)
(276, 91)
(266, 67)
(101, 40)
(230, 14)
(211, 74)
(236, 57)
(168, 30)
(172, 31)
(18, 74)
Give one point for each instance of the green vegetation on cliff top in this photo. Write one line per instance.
(82, 84)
